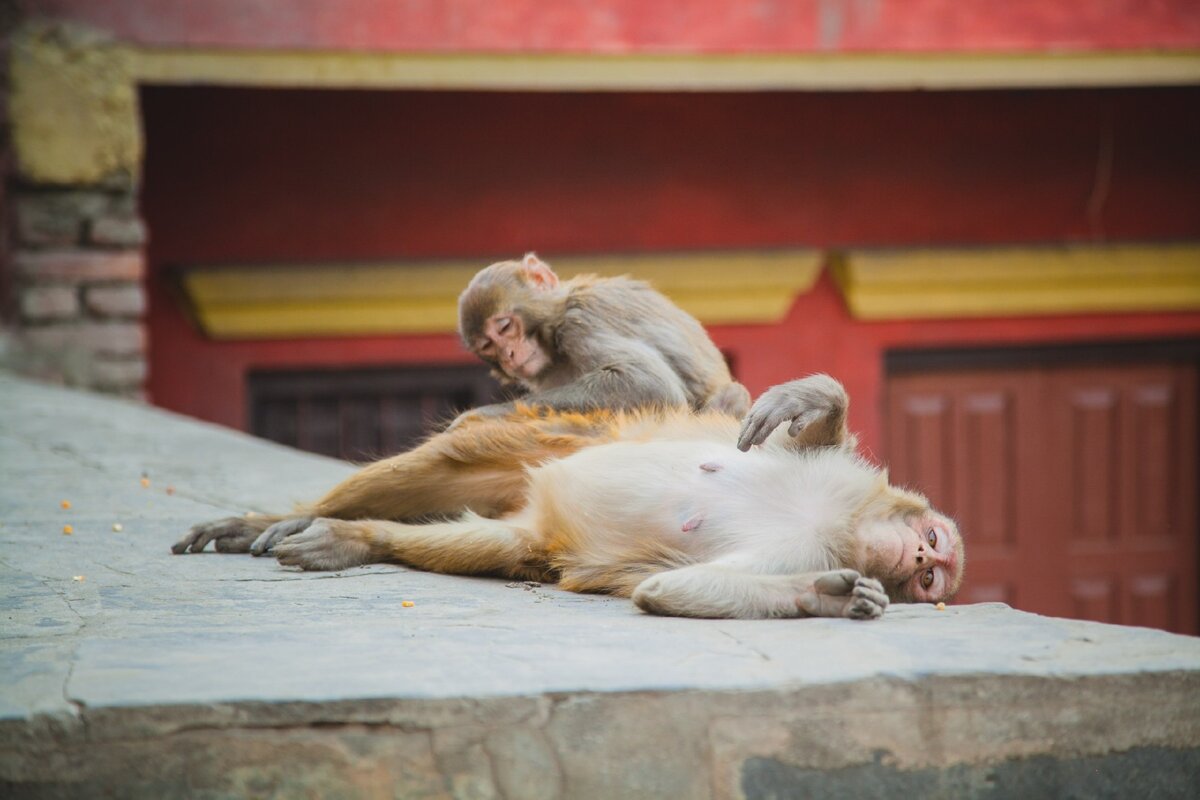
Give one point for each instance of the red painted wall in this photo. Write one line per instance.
(262, 176)
(622, 26)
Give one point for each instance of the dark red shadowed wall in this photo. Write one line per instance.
(249, 176)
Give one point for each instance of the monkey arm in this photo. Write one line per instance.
(815, 408)
(616, 373)
(469, 545)
(718, 591)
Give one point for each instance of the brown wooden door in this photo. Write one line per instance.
(1075, 487)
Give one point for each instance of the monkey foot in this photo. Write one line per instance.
(272, 535)
(229, 535)
(326, 544)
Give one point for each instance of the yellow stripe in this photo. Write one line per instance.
(362, 299)
(1016, 281)
(683, 72)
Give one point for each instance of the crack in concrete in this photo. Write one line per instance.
(307, 576)
(58, 448)
(77, 706)
(740, 643)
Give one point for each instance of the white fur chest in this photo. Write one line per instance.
(769, 510)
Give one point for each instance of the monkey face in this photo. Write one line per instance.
(505, 343)
(934, 556)
(918, 557)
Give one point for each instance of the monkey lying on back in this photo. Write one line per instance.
(661, 506)
(590, 343)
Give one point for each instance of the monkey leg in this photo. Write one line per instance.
(471, 545)
(815, 408)
(229, 534)
(712, 590)
(480, 466)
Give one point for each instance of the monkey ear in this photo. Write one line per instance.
(538, 272)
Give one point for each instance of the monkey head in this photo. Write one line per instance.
(503, 316)
(917, 555)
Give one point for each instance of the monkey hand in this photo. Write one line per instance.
(326, 544)
(802, 403)
(230, 535)
(843, 593)
(272, 535)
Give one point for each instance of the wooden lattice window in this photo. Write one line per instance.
(362, 414)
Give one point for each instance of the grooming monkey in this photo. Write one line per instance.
(590, 343)
(688, 513)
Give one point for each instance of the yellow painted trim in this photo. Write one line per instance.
(283, 301)
(1017, 281)
(725, 72)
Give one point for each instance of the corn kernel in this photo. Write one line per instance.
(68, 530)
(408, 604)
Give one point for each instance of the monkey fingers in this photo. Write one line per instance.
(803, 402)
(326, 544)
(759, 424)
(231, 535)
(870, 600)
(271, 536)
(843, 593)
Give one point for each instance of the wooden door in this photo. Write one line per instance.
(1075, 487)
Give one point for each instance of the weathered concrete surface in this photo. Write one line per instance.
(154, 675)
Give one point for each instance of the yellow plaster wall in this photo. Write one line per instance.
(73, 107)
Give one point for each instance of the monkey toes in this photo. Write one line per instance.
(230, 535)
(326, 544)
(271, 536)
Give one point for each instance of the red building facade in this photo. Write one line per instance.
(1000, 207)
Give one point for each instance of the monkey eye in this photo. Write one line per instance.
(927, 579)
(932, 537)
(503, 324)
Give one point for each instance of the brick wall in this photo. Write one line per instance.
(75, 283)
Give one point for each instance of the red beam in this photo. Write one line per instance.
(646, 26)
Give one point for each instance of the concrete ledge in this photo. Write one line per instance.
(211, 675)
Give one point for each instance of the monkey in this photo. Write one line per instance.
(688, 513)
(590, 343)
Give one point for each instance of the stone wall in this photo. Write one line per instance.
(75, 301)
(76, 270)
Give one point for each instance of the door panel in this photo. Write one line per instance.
(1074, 487)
